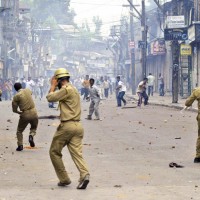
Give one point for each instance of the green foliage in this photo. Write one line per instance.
(50, 13)
(42, 10)
(98, 23)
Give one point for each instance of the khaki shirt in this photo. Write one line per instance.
(194, 96)
(23, 99)
(69, 102)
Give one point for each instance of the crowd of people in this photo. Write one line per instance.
(60, 88)
(106, 86)
(38, 86)
(70, 131)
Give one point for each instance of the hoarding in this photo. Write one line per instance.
(157, 47)
(185, 50)
(176, 34)
(175, 21)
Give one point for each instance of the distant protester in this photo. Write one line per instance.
(86, 85)
(141, 92)
(94, 95)
(151, 81)
(121, 88)
(161, 85)
(106, 86)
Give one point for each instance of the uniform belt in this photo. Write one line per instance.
(70, 120)
(27, 110)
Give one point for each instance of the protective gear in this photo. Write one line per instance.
(60, 73)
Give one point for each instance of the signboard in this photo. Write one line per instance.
(176, 34)
(191, 33)
(194, 33)
(1, 64)
(131, 44)
(142, 44)
(176, 21)
(25, 67)
(197, 32)
(185, 50)
(157, 47)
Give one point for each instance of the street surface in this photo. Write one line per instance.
(128, 154)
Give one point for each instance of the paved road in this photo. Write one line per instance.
(128, 154)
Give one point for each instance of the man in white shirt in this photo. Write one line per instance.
(122, 90)
(151, 80)
(106, 85)
(41, 86)
(30, 84)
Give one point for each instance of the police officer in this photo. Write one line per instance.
(196, 96)
(70, 131)
(28, 114)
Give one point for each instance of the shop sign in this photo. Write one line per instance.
(172, 34)
(1, 64)
(185, 50)
(157, 47)
(131, 44)
(176, 21)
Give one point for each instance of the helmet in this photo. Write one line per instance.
(60, 73)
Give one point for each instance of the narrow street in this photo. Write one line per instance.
(128, 153)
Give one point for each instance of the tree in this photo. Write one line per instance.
(57, 9)
(98, 23)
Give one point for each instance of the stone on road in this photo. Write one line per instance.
(128, 153)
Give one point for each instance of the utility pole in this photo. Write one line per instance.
(144, 39)
(132, 49)
(175, 59)
(142, 17)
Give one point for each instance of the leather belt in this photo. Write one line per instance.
(71, 121)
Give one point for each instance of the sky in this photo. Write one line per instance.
(109, 11)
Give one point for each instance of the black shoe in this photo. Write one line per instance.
(83, 184)
(197, 160)
(64, 184)
(32, 144)
(19, 148)
(89, 117)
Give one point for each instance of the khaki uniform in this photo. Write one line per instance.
(28, 114)
(196, 96)
(69, 133)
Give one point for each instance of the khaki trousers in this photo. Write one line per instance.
(29, 117)
(68, 134)
(198, 139)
